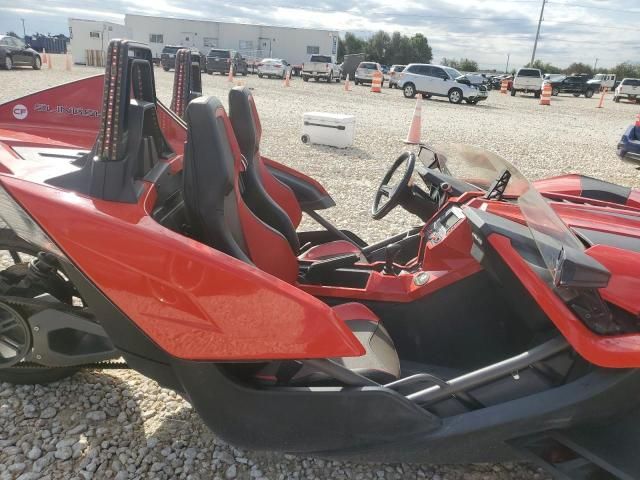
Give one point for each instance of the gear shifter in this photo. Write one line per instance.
(391, 252)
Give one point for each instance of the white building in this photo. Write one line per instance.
(93, 35)
(253, 41)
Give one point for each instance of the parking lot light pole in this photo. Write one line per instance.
(535, 43)
(506, 69)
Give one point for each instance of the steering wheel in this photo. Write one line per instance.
(393, 193)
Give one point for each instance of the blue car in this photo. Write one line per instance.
(629, 145)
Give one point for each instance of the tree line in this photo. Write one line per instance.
(621, 70)
(387, 49)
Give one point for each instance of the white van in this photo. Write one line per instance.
(527, 80)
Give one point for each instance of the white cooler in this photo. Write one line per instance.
(333, 129)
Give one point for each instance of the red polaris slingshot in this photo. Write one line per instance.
(505, 327)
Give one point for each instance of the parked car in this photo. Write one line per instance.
(320, 66)
(477, 79)
(496, 81)
(629, 88)
(438, 80)
(575, 84)
(221, 60)
(554, 77)
(168, 57)
(527, 80)
(603, 80)
(273, 67)
(365, 71)
(394, 71)
(15, 53)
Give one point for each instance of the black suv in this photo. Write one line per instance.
(14, 53)
(168, 57)
(576, 84)
(220, 61)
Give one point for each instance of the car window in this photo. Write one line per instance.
(435, 72)
(170, 49)
(453, 73)
(320, 59)
(219, 53)
(631, 82)
(368, 65)
(528, 72)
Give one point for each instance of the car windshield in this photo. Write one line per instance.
(320, 59)
(170, 49)
(452, 72)
(481, 168)
(524, 72)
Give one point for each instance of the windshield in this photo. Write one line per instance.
(481, 168)
(452, 72)
(320, 59)
(171, 49)
(219, 53)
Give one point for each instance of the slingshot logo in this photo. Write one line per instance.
(20, 112)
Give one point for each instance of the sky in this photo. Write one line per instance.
(484, 30)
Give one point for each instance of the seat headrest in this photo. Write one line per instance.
(187, 82)
(245, 120)
(209, 142)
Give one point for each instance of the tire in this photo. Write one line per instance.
(246, 72)
(209, 73)
(305, 79)
(455, 95)
(37, 63)
(27, 375)
(8, 63)
(356, 82)
(576, 95)
(513, 92)
(588, 93)
(330, 77)
(166, 69)
(389, 85)
(305, 138)
(259, 75)
(409, 90)
(617, 99)
(555, 92)
(537, 94)
(426, 95)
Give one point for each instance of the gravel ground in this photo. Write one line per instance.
(120, 425)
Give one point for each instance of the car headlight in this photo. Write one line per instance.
(18, 220)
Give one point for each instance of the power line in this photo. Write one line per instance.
(594, 7)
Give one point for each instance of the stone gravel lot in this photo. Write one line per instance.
(120, 425)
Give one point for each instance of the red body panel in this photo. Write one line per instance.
(193, 301)
(621, 351)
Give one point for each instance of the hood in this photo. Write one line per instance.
(594, 81)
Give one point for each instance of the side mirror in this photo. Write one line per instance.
(576, 269)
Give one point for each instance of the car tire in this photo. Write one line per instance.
(426, 95)
(166, 69)
(576, 95)
(305, 138)
(555, 92)
(330, 77)
(588, 93)
(8, 63)
(305, 79)
(37, 63)
(259, 75)
(616, 99)
(513, 92)
(409, 90)
(537, 94)
(209, 73)
(455, 95)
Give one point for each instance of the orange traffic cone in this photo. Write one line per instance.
(230, 77)
(413, 137)
(347, 86)
(376, 82)
(602, 95)
(287, 79)
(44, 56)
(545, 98)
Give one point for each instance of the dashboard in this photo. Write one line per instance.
(443, 224)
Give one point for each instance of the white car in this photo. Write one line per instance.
(364, 72)
(527, 80)
(273, 67)
(629, 88)
(439, 81)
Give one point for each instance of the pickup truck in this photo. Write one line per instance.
(320, 66)
(575, 84)
(527, 80)
(629, 88)
(602, 80)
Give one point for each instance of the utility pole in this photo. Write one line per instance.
(595, 64)
(24, 32)
(506, 69)
(535, 43)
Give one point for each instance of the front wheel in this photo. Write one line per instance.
(588, 93)
(305, 79)
(37, 63)
(8, 63)
(555, 92)
(455, 95)
(409, 90)
(537, 94)
(513, 92)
